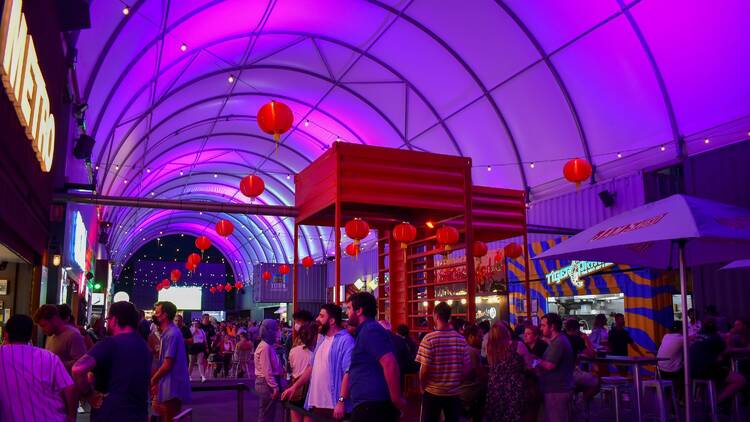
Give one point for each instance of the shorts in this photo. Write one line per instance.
(197, 348)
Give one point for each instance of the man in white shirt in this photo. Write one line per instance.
(671, 349)
(34, 385)
(325, 373)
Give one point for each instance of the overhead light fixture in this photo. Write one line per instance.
(56, 259)
(531, 165)
(288, 177)
(307, 123)
(430, 225)
(662, 148)
(619, 155)
(489, 168)
(148, 170)
(230, 79)
(706, 141)
(126, 10)
(182, 173)
(183, 47)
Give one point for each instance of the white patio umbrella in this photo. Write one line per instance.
(680, 230)
(736, 265)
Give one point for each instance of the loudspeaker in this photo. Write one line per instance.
(607, 198)
(73, 15)
(83, 147)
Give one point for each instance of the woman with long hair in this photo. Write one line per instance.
(267, 370)
(299, 359)
(506, 389)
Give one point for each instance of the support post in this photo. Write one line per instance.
(295, 274)
(337, 232)
(685, 348)
(527, 282)
(471, 285)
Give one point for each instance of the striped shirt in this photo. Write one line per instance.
(31, 384)
(445, 353)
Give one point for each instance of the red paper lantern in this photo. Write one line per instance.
(447, 236)
(190, 266)
(228, 287)
(275, 118)
(202, 243)
(194, 259)
(266, 275)
(159, 287)
(175, 275)
(165, 283)
(238, 285)
(224, 228)
(357, 230)
(252, 186)
(478, 249)
(513, 250)
(308, 262)
(212, 290)
(284, 269)
(352, 249)
(577, 170)
(404, 233)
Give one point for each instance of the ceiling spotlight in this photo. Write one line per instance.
(182, 173)
(97, 167)
(125, 181)
(148, 170)
(706, 141)
(153, 193)
(307, 123)
(215, 175)
(430, 225)
(531, 165)
(117, 167)
(288, 177)
(126, 10)
(230, 79)
(489, 168)
(662, 148)
(183, 47)
(619, 155)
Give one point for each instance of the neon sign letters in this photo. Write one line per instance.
(24, 83)
(575, 271)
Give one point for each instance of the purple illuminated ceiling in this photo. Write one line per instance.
(506, 82)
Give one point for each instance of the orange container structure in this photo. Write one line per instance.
(386, 186)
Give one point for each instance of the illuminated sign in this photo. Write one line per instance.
(24, 83)
(575, 271)
(80, 240)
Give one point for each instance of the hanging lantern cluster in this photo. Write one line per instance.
(447, 236)
(224, 228)
(577, 170)
(404, 233)
(357, 230)
(252, 186)
(275, 119)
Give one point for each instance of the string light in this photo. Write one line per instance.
(307, 123)
(489, 168)
(288, 177)
(182, 173)
(148, 170)
(126, 10)
(531, 165)
(183, 47)
(230, 79)
(662, 148)
(619, 155)
(125, 181)
(706, 141)
(215, 175)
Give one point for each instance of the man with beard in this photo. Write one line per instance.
(170, 384)
(333, 355)
(121, 365)
(372, 381)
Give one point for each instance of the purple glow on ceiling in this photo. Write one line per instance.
(531, 82)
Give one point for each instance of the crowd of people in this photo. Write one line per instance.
(127, 367)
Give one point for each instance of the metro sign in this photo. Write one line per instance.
(24, 83)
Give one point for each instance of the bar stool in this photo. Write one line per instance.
(707, 387)
(616, 385)
(661, 387)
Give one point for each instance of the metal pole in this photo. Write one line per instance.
(167, 204)
(337, 243)
(471, 286)
(240, 405)
(295, 275)
(685, 357)
(527, 282)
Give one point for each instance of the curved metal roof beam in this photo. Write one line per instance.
(558, 79)
(353, 48)
(471, 73)
(127, 214)
(123, 242)
(236, 269)
(116, 216)
(658, 75)
(223, 71)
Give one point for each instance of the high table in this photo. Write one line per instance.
(635, 362)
